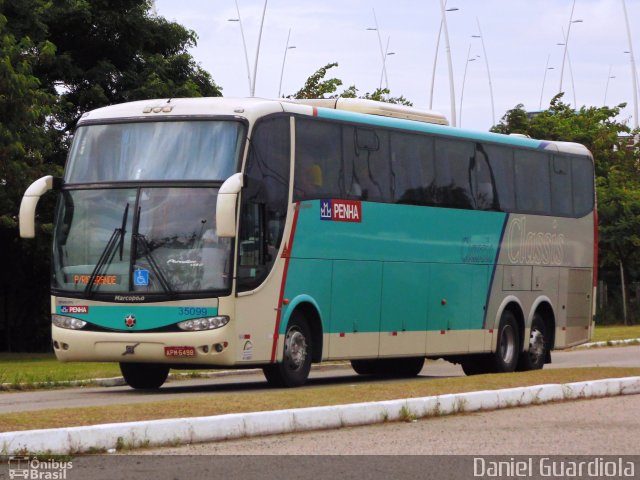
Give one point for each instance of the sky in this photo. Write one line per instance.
(520, 36)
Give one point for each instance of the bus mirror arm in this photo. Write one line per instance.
(226, 205)
(27, 217)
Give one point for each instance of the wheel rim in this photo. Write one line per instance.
(295, 345)
(507, 344)
(536, 345)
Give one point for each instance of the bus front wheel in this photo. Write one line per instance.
(144, 376)
(294, 369)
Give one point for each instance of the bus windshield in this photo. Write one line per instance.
(139, 240)
(148, 151)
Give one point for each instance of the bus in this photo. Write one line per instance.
(273, 234)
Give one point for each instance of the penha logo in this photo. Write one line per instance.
(77, 309)
(341, 210)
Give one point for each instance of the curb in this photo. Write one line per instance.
(610, 343)
(113, 436)
(119, 381)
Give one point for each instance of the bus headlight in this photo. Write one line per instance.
(205, 323)
(68, 322)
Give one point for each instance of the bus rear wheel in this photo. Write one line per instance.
(505, 358)
(294, 369)
(535, 358)
(144, 376)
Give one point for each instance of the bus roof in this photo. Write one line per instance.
(372, 107)
(345, 109)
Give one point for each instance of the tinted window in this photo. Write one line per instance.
(413, 168)
(561, 196)
(483, 181)
(532, 182)
(454, 161)
(265, 200)
(582, 173)
(501, 163)
(318, 172)
(367, 166)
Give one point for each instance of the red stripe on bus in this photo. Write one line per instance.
(315, 111)
(595, 246)
(288, 247)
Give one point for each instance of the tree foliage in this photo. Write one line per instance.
(316, 86)
(59, 59)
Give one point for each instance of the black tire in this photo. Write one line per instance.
(390, 367)
(364, 367)
(294, 369)
(144, 376)
(535, 357)
(406, 367)
(505, 358)
(475, 365)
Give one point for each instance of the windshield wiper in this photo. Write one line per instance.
(139, 238)
(106, 257)
(146, 253)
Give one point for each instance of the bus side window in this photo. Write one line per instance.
(264, 201)
(367, 161)
(483, 181)
(452, 186)
(582, 178)
(318, 159)
(532, 182)
(501, 163)
(413, 167)
(561, 196)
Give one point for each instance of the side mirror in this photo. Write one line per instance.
(29, 203)
(226, 206)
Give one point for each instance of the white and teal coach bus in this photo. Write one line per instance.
(236, 233)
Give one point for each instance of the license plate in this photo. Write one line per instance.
(179, 351)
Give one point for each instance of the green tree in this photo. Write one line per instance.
(111, 52)
(59, 59)
(316, 86)
(26, 133)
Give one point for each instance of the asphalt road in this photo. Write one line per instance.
(249, 384)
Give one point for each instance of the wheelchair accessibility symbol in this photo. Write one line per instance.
(141, 278)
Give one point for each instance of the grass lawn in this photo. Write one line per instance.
(248, 401)
(22, 370)
(615, 332)
(28, 368)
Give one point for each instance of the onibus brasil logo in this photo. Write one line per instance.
(21, 466)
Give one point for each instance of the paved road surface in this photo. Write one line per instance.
(249, 384)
